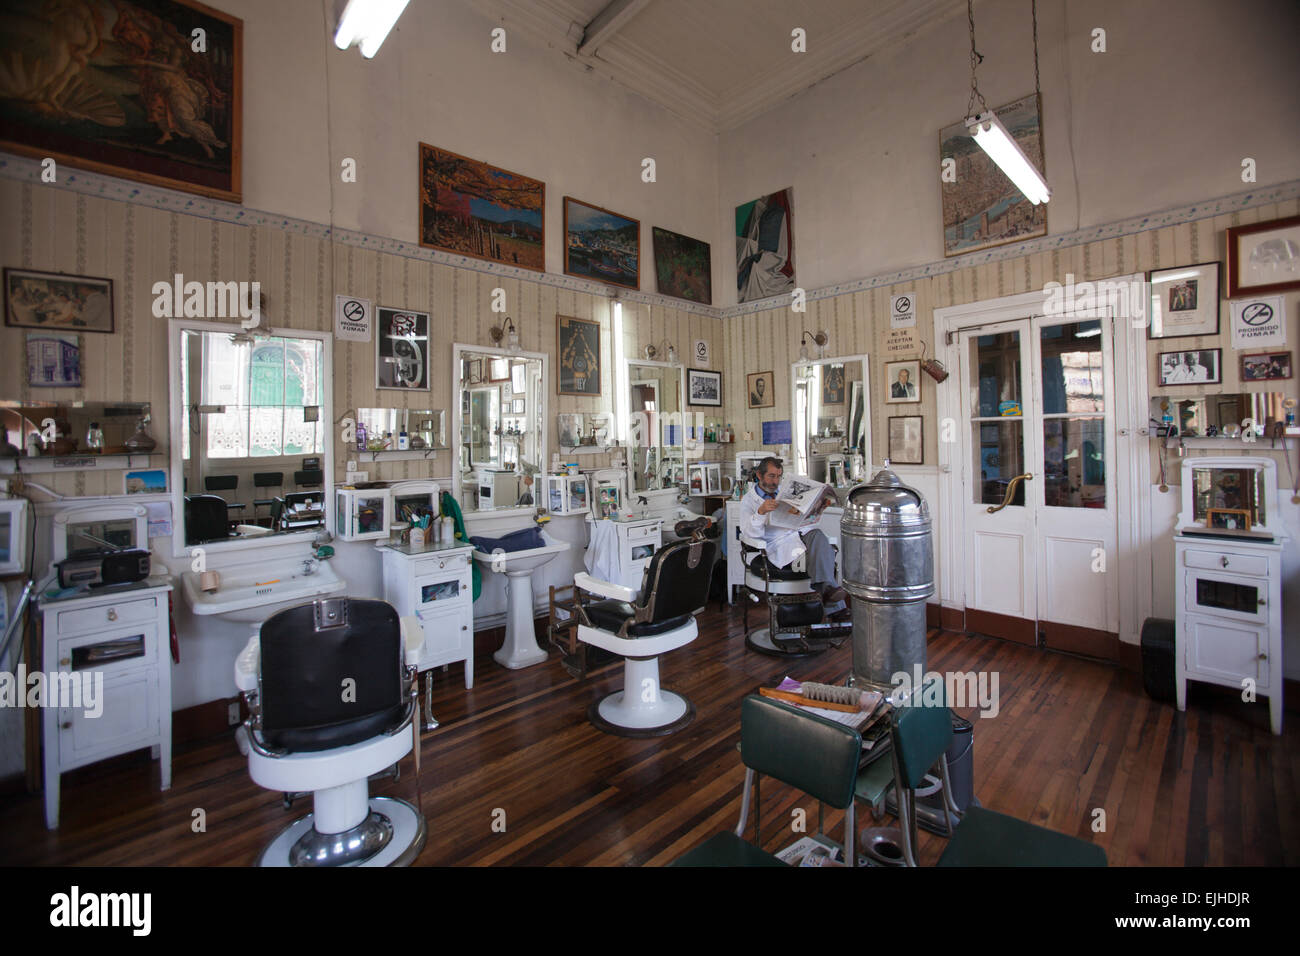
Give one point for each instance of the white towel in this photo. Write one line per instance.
(601, 558)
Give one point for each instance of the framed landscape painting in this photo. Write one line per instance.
(601, 245)
(683, 266)
(982, 207)
(118, 87)
(473, 209)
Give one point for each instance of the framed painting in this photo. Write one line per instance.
(1193, 367)
(1184, 301)
(579, 351)
(53, 300)
(472, 209)
(703, 387)
(832, 384)
(762, 390)
(1264, 257)
(54, 359)
(981, 206)
(118, 87)
(498, 370)
(765, 247)
(683, 266)
(901, 385)
(601, 245)
(402, 352)
(906, 443)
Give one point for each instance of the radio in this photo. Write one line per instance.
(101, 567)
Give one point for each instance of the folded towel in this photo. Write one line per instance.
(522, 540)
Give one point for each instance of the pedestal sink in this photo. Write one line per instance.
(520, 648)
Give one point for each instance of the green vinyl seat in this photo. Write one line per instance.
(807, 752)
(921, 734)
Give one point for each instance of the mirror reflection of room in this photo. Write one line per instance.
(829, 417)
(501, 440)
(655, 431)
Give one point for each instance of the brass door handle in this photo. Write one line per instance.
(1011, 491)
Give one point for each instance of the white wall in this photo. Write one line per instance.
(1164, 117)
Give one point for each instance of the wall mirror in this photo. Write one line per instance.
(103, 428)
(830, 410)
(655, 433)
(499, 427)
(251, 451)
(380, 429)
(1221, 416)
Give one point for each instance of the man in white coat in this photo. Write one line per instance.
(784, 545)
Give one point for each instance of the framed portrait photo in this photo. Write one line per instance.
(703, 387)
(1192, 367)
(1184, 301)
(1264, 257)
(57, 302)
(579, 352)
(901, 385)
(402, 350)
(906, 442)
(1266, 367)
(761, 388)
(601, 245)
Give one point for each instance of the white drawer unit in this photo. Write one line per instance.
(435, 584)
(107, 670)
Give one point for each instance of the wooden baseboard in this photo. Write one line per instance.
(1086, 641)
(933, 616)
(952, 618)
(205, 721)
(1005, 626)
(1130, 657)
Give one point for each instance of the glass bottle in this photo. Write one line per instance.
(95, 438)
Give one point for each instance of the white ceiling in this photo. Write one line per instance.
(718, 63)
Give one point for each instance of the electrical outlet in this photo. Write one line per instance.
(232, 713)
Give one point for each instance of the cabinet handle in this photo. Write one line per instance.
(66, 725)
(462, 627)
(65, 661)
(1262, 602)
(112, 614)
(1263, 657)
(1224, 561)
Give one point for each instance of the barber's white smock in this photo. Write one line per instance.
(783, 544)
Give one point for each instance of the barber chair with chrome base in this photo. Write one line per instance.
(675, 587)
(796, 615)
(331, 690)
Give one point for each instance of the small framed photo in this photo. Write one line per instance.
(569, 428)
(900, 382)
(474, 371)
(906, 441)
(57, 302)
(832, 384)
(1193, 367)
(761, 388)
(1264, 257)
(54, 359)
(1228, 519)
(402, 351)
(516, 406)
(499, 371)
(1266, 367)
(703, 387)
(1184, 301)
(517, 380)
(151, 482)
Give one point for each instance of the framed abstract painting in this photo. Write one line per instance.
(683, 266)
(764, 247)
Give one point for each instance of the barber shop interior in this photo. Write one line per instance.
(651, 433)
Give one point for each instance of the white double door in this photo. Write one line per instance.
(1038, 404)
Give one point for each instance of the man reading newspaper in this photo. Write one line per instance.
(782, 514)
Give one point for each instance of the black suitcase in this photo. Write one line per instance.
(1158, 658)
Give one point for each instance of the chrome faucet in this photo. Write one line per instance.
(309, 566)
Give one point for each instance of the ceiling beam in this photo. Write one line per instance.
(608, 22)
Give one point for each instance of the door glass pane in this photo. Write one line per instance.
(997, 387)
(1074, 462)
(1072, 368)
(999, 457)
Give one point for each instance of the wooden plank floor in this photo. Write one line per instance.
(1211, 786)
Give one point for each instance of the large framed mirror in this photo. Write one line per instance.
(500, 427)
(655, 434)
(252, 454)
(830, 401)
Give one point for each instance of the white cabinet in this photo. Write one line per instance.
(107, 675)
(435, 584)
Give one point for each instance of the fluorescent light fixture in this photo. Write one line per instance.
(994, 139)
(366, 23)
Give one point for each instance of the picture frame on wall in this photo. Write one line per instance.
(906, 440)
(499, 370)
(402, 350)
(471, 208)
(518, 382)
(683, 266)
(765, 246)
(703, 387)
(1228, 519)
(902, 383)
(516, 406)
(1184, 301)
(57, 301)
(1264, 257)
(139, 101)
(761, 389)
(152, 481)
(601, 245)
(1190, 367)
(54, 360)
(474, 371)
(1266, 367)
(579, 356)
(832, 384)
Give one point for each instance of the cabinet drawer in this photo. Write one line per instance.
(1224, 561)
(648, 531)
(1230, 596)
(84, 619)
(111, 652)
(435, 565)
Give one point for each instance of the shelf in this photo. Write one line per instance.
(392, 454)
(46, 464)
(589, 449)
(1261, 443)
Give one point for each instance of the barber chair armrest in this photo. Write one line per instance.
(412, 639)
(606, 589)
(754, 544)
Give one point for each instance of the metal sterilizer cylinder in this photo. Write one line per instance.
(887, 560)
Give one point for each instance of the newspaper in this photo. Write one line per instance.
(803, 500)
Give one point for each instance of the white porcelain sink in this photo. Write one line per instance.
(255, 594)
(520, 648)
(519, 562)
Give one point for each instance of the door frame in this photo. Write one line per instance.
(1132, 453)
